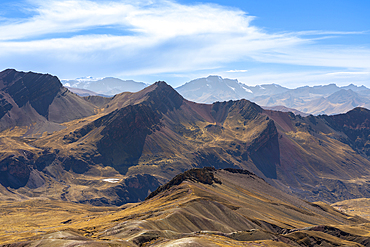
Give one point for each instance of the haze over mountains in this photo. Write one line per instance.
(327, 99)
(106, 86)
(56, 145)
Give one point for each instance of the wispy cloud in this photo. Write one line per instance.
(153, 37)
(349, 73)
(302, 78)
(322, 32)
(237, 71)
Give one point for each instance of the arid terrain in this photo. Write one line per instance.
(201, 207)
(86, 170)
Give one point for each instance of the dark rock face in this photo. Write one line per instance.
(212, 157)
(76, 165)
(265, 151)
(241, 171)
(138, 187)
(15, 171)
(45, 160)
(220, 110)
(164, 98)
(31, 98)
(124, 135)
(247, 109)
(5, 106)
(126, 129)
(355, 125)
(98, 100)
(37, 89)
(203, 175)
(133, 189)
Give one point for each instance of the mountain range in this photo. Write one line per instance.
(328, 99)
(154, 134)
(108, 86)
(150, 148)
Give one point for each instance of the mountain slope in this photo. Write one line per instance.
(29, 98)
(203, 207)
(157, 133)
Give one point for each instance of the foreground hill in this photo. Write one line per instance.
(137, 141)
(201, 207)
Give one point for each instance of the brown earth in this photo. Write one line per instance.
(231, 208)
(155, 134)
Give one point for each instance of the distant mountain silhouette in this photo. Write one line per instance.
(106, 86)
(85, 92)
(215, 88)
(310, 100)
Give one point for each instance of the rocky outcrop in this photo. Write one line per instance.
(355, 124)
(15, 171)
(203, 175)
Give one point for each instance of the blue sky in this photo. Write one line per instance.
(291, 43)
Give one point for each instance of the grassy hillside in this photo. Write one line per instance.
(232, 208)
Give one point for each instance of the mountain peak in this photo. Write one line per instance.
(359, 110)
(217, 77)
(37, 89)
(164, 96)
(161, 83)
(159, 86)
(34, 97)
(343, 96)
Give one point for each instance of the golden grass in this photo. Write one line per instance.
(184, 209)
(360, 207)
(24, 219)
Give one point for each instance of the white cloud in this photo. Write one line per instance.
(314, 55)
(348, 73)
(160, 18)
(159, 36)
(303, 78)
(237, 71)
(322, 32)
